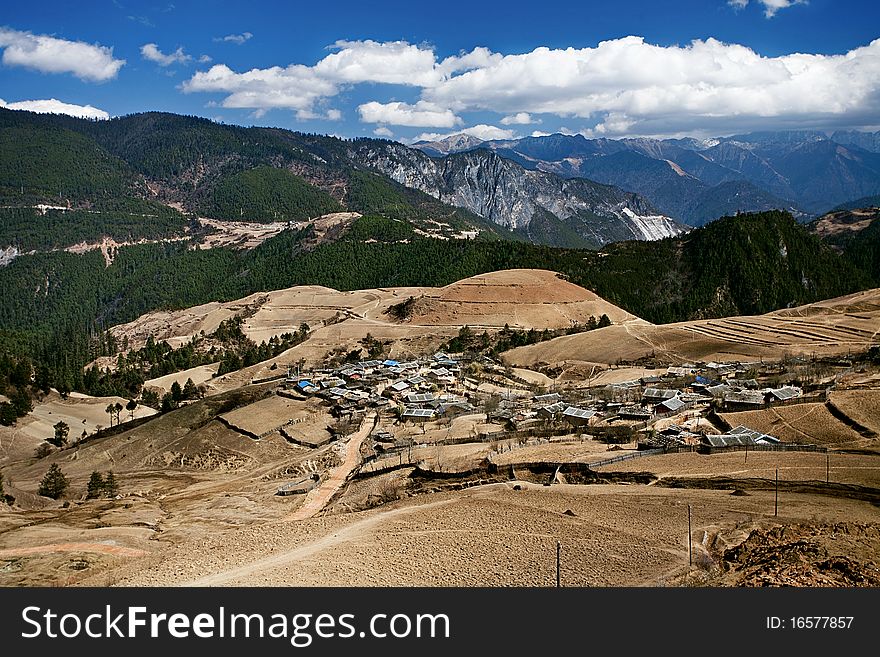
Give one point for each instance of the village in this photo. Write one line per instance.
(458, 399)
(449, 434)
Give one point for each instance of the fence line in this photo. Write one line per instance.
(626, 457)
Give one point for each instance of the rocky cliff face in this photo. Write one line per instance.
(507, 194)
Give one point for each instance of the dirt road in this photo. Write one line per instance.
(97, 548)
(318, 497)
(352, 532)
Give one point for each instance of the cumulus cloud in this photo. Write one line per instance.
(392, 62)
(620, 86)
(770, 6)
(296, 87)
(54, 106)
(49, 54)
(482, 131)
(520, 118)
(151, 52)
(309, 115)
(630, 86)
(420, 115)
(237, 39)
(382, 131)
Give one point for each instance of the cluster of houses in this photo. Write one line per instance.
(429, 388)
(420, 387)
(640, 402)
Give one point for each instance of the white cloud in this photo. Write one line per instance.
(382, 131)
(295, 87)
(538, 133)
(622, 86)
(393, 62)
(477, 58)
(54, 106)
(151, 52)
(420, 115)
(308, 115)
(482, 131)
(351, 62)
(237, 39)
(633, 87)
(520, 118)
(770, 6)
(205, 59)
(486, 132)
(52, 55)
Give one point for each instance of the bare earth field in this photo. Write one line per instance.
(523, 298)
(270, 414)
(860, 406)
(529, 298)
(198, 375)
(834, 327)
(491, 536)
(197, 507)
(806, 424)
(856, 469)
(79, 412)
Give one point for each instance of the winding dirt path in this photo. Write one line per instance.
(351, 532)
(318, 497)
(98, 548)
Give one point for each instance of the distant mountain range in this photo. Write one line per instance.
(544, 207)
(695, 181)
(141, 186)
(228, 172)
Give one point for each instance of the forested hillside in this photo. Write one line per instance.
(54, 164)
(57, 306)
(123, 220)
(206, 168)
(114, 179)
(268, 194)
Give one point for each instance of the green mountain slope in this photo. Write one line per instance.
(123, 220)
(53, 164)
(855, 234)
(57, 305)
(268, 194)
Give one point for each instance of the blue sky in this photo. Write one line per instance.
(406, 70)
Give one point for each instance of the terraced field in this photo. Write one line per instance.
(801, 424)
(861, 408)
(829, 328)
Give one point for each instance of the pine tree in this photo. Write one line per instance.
(54, 483)
(130, 407)
(111, 486)
(95, 486)
(62, 430)
(189, 390)
(109, 411)
(150, 398)
(176, 392)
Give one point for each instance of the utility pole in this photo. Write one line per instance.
(690, 550)
(776, 501)
(558, 550)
